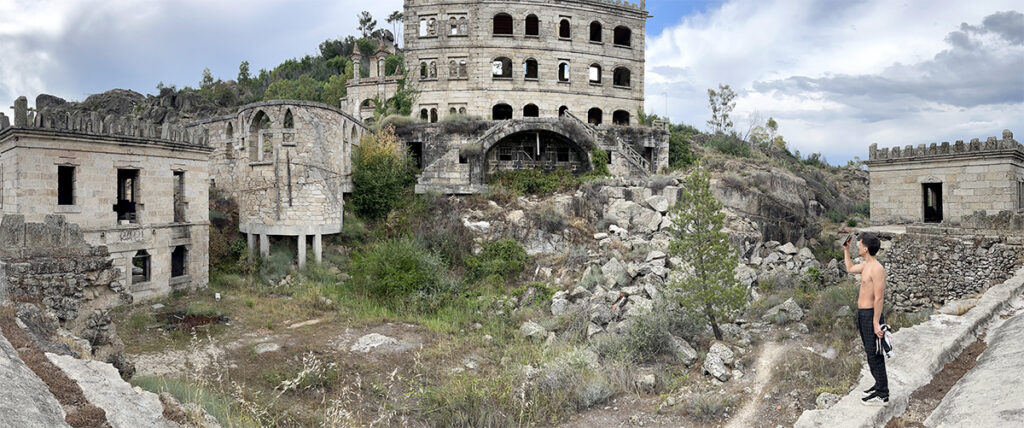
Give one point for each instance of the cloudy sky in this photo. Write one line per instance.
(837, 75)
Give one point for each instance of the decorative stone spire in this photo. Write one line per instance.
(21, 112)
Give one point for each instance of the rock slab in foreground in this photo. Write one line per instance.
(126, 407)
(25, 401)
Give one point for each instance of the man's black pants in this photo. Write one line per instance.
(876, 361)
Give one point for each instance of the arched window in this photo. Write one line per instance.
(432, 27)
(595, 116)
(424, 70)
(595, 31)
(433, 115)
(621, 77)
(503, 24)
(623, 36)
(563, 71)
(368, 103)
(530, 68)
(355, 133)
(231, 131)
(501, 112)
(453, 69)
(463, 27)
(595, 73)
(563, 29)
(452, 111)
(532, 25)
(424, 114)
(562, 110)
(433, 69)
(620, 117)
(462, 110)
(531, 110)
(423, 27)
(289, 122)
(259, 138)
(453, 26)
(502, 68)
(463, 69)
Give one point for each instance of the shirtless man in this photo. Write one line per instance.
(869, 313)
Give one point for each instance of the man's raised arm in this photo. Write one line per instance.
(850, 267)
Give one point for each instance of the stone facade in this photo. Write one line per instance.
(287, 163)
(142, 196)
(962, 178)
(469, 57)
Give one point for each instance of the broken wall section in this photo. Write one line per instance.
(51, 265)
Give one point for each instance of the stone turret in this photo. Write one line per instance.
(357, 59)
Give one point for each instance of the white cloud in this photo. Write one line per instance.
(841, 75)
(75, 48)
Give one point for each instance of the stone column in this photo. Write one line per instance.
(318, 248)
(264, 245)
(302, 251)
(251, 239)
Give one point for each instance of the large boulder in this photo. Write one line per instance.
(372, 342)
(126, 407)
(785, 312)
(714, 366)
(658, 203)
(682, 350)
(789, 248)
(25, 401)
(617, 271)
(532, 330)
(722, 351)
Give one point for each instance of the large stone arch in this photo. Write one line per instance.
(555, 133)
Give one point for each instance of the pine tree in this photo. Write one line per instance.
(721, 103)
(366, 25)
(711, 290)
(243, 73)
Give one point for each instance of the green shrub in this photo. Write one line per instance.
(830, 302)
(729, 145)
(275, 267)
(381, 174)
(680, 154)
(395, 269)
(353, 229)
(534, 181)
(221, 407)
(863, 208)
(648, 336)
(600, 160)
(505, 258)
(851, 222)
(551, 221)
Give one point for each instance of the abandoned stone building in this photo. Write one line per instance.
(531, 85)
(944, 183)
(138, 189)
(287, 164)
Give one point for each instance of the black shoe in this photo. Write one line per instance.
(875, 399)
(869, 390)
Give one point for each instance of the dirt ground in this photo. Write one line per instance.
(927, 398)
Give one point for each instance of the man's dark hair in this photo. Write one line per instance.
(872, 242)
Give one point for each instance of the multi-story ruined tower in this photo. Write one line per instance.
(502, 59)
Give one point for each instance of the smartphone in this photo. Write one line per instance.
(849, 238)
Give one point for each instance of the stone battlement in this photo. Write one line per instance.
(640, 6)
(94, 124)
(945, 149)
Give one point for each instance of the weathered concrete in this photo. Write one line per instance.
(989, 395)
(125, 406)
(921, 352)
(25, 401)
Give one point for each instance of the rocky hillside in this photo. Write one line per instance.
(170, 106)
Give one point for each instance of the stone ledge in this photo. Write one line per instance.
(921, 352)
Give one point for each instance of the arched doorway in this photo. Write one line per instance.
(537, 149)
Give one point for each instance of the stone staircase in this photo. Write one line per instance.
(638, 165)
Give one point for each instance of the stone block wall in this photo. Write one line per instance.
(931, 266)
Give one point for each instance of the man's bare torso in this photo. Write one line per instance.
(872, 275)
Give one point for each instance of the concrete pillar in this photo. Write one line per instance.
(302, 251)
(264, 245)
(251, 239)
(318, 248)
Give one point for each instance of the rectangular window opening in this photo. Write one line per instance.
(179, 261)
(65, 185)
(140, 267)
(127, 192)
(179, 196)
(932, 195)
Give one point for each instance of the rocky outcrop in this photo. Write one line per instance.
(25, 401)
(169, 106)
(126, 407)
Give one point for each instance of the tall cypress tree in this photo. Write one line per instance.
(711, 289)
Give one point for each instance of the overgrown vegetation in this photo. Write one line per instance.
(534, 181)
(381, 174)
(504, 258)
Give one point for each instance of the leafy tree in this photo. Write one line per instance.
(680, 154)
(366, 24)
(394, 19)
(335, 88)
(207, 78)
(332, 48)
(243, 73)
(380, 175)
(711, 290)
(721, 103)
(303, 88)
